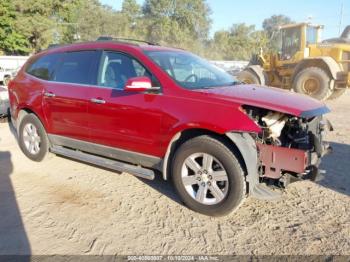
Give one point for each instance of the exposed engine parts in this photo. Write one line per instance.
(288, 145)
(275, 123)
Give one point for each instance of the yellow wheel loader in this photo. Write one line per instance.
(304, 64)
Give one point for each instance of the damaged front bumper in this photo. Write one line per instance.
(276, 161)
(280, 163)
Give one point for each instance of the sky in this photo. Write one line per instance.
(253, 12)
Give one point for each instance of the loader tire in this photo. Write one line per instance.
(248, 77)
(314, 82)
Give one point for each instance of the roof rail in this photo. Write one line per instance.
(121, 39)
(53, 46)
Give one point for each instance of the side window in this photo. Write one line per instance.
(115, 69)
(76, 67)
(44, 66)
(311, 35)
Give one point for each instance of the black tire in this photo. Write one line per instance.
(337, 93)
(236, 189)
(44, 142)
(314, 82)
(248, 77)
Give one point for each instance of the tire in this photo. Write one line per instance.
(248, 77)
(6, 80)
(232, 187)
(32, 131)
(314, 82)
(337, 93)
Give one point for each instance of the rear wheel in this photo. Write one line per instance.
(32, 138)
(208, 177)
(337, 93)
(314, 82)
(248, 77)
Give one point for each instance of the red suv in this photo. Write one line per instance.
(146, 108)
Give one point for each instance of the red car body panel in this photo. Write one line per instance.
(66, 113)
(267, 97)
(128, 120)
(25, 92)
(140, 122)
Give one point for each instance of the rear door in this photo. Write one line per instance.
(66, 95)
(120, 119)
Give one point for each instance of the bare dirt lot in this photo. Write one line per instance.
(65, 207)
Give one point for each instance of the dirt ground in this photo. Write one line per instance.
(65, 207)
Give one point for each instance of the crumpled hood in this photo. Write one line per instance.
(270, 98)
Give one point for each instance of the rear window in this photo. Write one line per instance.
(43, 67)
(76, 67)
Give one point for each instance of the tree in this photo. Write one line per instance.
(271, 27)
(31, 25)
(66, 21)
(44, 22)
(131, 9)
(181, 23)
(93, 20)
(238, 43)
(132, 23)
(11, 41)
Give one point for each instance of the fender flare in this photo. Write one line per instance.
(259, 72)
(247, 147)
(165, 163)
(22, 112)
(327, 62)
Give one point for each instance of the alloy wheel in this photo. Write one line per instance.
(31, 139)
(205, 178)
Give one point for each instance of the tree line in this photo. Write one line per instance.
(28, 26)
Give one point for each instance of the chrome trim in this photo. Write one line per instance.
(107, 151)
(97, 101)
(156, 88)
(48, 94)
(104, 162)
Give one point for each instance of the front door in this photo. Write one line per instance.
(124, 120)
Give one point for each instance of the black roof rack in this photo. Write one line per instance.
(121, 39)
(53, 46)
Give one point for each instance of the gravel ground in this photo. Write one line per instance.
(65, 207)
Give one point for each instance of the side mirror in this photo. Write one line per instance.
(139, 84)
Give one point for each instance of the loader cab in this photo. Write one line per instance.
(295, 40)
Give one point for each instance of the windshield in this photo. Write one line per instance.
(190, 71)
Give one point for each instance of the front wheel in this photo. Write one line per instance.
(208, 177)
(32, 138)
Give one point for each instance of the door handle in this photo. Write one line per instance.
(49, 94)
(97, 101)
